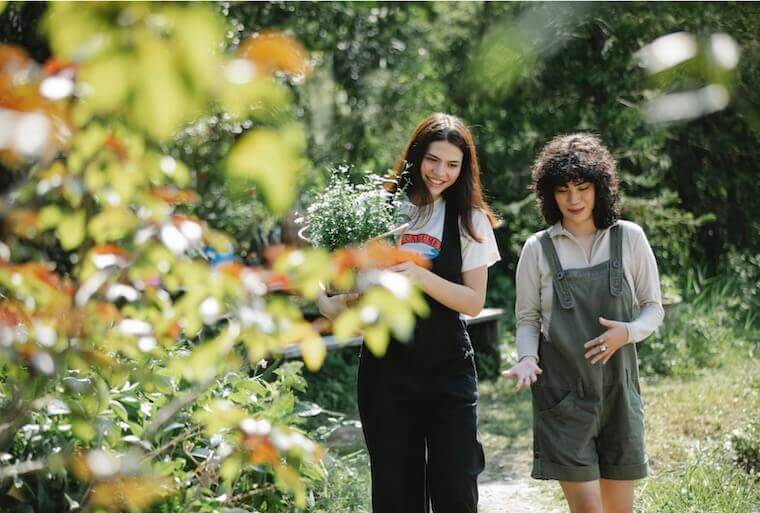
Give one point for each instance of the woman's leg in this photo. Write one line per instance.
(455, 456)
(395, 441)
(583, 497)
(617, 496)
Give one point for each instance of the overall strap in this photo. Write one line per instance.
(616, 260)
(566, 300)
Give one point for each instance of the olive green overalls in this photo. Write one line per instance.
(588, 420)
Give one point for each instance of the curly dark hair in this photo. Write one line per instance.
(579, 157)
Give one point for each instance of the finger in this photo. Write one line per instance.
(533, 378)
(608, 323)
(507, 373)
(595, 351)
(594, 341)
(539, 370)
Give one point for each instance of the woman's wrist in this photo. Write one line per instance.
(531, 356)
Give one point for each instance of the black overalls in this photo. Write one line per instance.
(418, 408)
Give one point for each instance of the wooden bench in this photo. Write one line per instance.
(484, 334)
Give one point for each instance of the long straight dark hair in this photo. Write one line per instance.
(467, 192)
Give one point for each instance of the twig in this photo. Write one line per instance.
(25, 467)
(168, 412)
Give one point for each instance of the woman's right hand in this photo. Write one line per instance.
(525, 372)
(332, 306)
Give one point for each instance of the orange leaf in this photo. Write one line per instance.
(175, 196)
(131, 493)
(11, 315)
(114, 144)
(231, 269)
(274, 51)
(261, 450)
(54, 65)
(22, 223)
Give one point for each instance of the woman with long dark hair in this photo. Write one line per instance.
(418, 402)
(587, 291)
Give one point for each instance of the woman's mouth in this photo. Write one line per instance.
(435, 181)
(575, 210)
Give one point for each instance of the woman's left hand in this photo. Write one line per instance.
(602, 348)
(408, 269)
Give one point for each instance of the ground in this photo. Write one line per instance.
(684, 417)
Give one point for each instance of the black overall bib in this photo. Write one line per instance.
(418, 408)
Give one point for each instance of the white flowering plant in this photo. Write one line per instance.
(347, 214)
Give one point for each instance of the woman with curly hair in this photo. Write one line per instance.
(587, 291)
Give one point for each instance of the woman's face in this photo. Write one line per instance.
(440, 167)
(576, 202)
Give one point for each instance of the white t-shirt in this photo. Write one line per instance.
(425, 234)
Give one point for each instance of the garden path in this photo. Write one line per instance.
(505, 429)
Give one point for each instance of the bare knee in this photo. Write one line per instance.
(588, 504)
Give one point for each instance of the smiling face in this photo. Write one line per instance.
(576, 202)
(440, 167)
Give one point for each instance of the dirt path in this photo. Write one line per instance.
(506, 486)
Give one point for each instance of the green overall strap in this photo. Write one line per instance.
(616, 260)
(566, 300)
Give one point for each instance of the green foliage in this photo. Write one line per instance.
(130, 374)
(565, 68)
(707, 482)
(346, 214)
(334, 386)
(745, 443)
(713, 325)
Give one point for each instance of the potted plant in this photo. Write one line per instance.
(349, 214)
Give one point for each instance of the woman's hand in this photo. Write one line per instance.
(332, 306)
(525, 372)
(409, 269)
(602, 348)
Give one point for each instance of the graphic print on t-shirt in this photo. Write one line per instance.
(422, 243)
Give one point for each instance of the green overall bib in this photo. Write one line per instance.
(588, 420)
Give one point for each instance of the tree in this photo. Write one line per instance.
(133, 372)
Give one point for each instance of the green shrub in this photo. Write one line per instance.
(334, 386)
(707, 483)
(745, 443)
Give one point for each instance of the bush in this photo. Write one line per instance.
(709, 482)
(745, 443)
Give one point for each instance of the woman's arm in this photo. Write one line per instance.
(467, 298)
(528, 315)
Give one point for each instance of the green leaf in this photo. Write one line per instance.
(49, 217)
(111, 224)
(347, 324)
(376, 337)
(231, 468)
(71, 230)
(119, 410)
(108, 78)
(313, 352)
(272, 159)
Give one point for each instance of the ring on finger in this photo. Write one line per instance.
(602, 348)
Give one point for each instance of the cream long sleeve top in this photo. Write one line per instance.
(535, 290)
